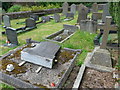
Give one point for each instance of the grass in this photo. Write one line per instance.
(6, 87)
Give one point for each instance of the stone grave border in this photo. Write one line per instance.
(57, 33)
(86, 65)
(17, 83)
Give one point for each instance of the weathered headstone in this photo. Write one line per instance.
(70, 15)
(6, 20)
(106, 27)
(65, 8)
(105, 12)
(69, 27)
(12, 36)
(82, 13)
(88, 25)
(96, 16)
(30, 23)
(95, 7)
(42, 54)
(35, 17)
(57, 17)
(45, 18)
(73, 9)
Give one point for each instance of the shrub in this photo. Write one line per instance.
(14, 8)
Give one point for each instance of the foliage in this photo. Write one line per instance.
(6, 87)
(14, 8)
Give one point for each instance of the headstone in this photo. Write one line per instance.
(96, 16)
(57, 17)
(6, 20)
(45, 18)
(30, 22)
(42, 54)
(65, 8)
(0, 16)
(35, 17)
(101, 57)
(73, 9)
(95, 7)
(70, 27)
(12, 35)
(106, 27)
(105, 12)
(82, 13)
(88, 25)
(70, 15)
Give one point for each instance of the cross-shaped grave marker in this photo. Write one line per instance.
(106, 27)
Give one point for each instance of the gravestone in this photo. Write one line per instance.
(95, 7)
(88, 25)
(45, 18)
(73, 9)
(105, 12)
(82, 13)
(0, 16)
(65, 8)
(30, 23)
(96, 16)
(106, 27)
(42, 54)
(70, 15)
(35, 17)
(57, 17)
(6, 20)
(69, 27)
(12, 36)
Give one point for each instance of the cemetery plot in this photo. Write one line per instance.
(25, 75)
(63, 34)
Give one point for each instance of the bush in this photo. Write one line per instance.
(14, 8)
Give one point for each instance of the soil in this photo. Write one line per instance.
(97, 79)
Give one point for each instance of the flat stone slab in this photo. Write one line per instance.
(101, 57)
(42, 54)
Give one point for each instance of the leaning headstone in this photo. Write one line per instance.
(88, 25)
(42, 54)
(12, 36)
(82, 13)
(30, 23)
(6, 20)
(45, 18)
(73, 9)
(95, 7)
(65, 8)
(105, 12)
(35, 17)
(57, 17)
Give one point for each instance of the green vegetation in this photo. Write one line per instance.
(5, 87)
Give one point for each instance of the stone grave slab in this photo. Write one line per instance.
(35, 17)
(82, 13)
(73, 9)
(57, 17)
(65, 8)
(88, 25)
(6, 20)
(42, 54)
(102, 57)
(11, 37)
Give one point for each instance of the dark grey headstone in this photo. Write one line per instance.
(35, 17)
(57, 17)
(42, 54)
(69, 27)
(12, 35)
(73, 9)
(45, 18)
(30, 22)
(82, 13)
(65, 8)
(70, 15)
(88, 25)
(6, 20)
(95, 7)
(105, 12)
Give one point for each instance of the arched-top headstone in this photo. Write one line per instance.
(95, 7)
(65, 8)
(82, 13)
(6, 20)
(73, 9)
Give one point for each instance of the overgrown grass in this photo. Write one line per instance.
(6, 87)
